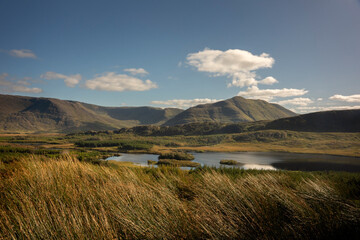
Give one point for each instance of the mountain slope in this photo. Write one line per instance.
(329, 121)
(236, 109)
(19, 113)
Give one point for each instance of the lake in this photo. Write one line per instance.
(262, 160)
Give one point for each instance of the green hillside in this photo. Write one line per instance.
(329, 121)
(236, 109)
(18, 113)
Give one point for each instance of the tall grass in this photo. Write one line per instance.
(68, 199)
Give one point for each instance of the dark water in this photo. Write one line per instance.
(262, 160)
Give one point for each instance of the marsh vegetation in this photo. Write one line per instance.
(45, 198)
(230, 162)
(57, 187)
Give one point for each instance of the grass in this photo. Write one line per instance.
(63, 198)
(123, 145)
(151, 162)
(347, 144)
(176, 156)
(229, 162)
(177, 163)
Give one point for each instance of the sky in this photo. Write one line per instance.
(304, 55)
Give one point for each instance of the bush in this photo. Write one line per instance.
(134, 145)
(177, 163)
(177, 156)
(230, 162)
(123, 145)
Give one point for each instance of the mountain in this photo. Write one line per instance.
(328, 121)
(18, 113)
(236, 109)
(235, 115)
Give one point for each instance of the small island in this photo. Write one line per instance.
(230, 162)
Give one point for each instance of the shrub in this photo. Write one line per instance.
(176, 156)
(230, 162)
(177, 163)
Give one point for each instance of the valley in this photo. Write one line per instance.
(182, 170)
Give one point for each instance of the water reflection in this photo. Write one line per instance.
(261, 160)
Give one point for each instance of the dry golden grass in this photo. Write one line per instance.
(67, 199)
(271, 147)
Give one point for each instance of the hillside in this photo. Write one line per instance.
(18, 113)
(236, 109)
(329, 121)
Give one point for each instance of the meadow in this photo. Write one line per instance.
(56, 186)
(337, 143)
(64, 198)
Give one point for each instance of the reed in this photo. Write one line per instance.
(64, 198)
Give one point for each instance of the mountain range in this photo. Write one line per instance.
(30, 114)
(236, 109)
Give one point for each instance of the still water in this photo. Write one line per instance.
(262, 160)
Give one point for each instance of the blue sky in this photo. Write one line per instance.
(303, 54)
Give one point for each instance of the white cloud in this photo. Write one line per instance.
(307, 109)
(22, 53)
(296, 101)
(239, 65)
(136, 71)
(341, 108)
(70, 81)
(19, 86)
(268, 81)
(119, 82)
(3, 81)
(319, 99)
(185, 103)
(350, 98)
(242, 79)
(268, 94)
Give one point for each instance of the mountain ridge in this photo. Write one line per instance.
(326, 121)
(31, 114)
(236, 109)
(18, 113)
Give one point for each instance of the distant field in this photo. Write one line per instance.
(347, 144)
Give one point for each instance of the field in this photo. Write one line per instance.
(44, 198)
(55, 186)
(346, 144)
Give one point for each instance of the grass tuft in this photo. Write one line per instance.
(64, 198)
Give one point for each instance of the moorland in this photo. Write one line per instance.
(58, 185)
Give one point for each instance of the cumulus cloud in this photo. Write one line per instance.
(296, 101)
(119, 82)
(306, 109)
(3, 77)
(185, 103)
(268, 81)
(136, 71)
(239, 65)
(18, 86)
(70, 81)
(350, 98)
(268, 94)
(22, 53)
